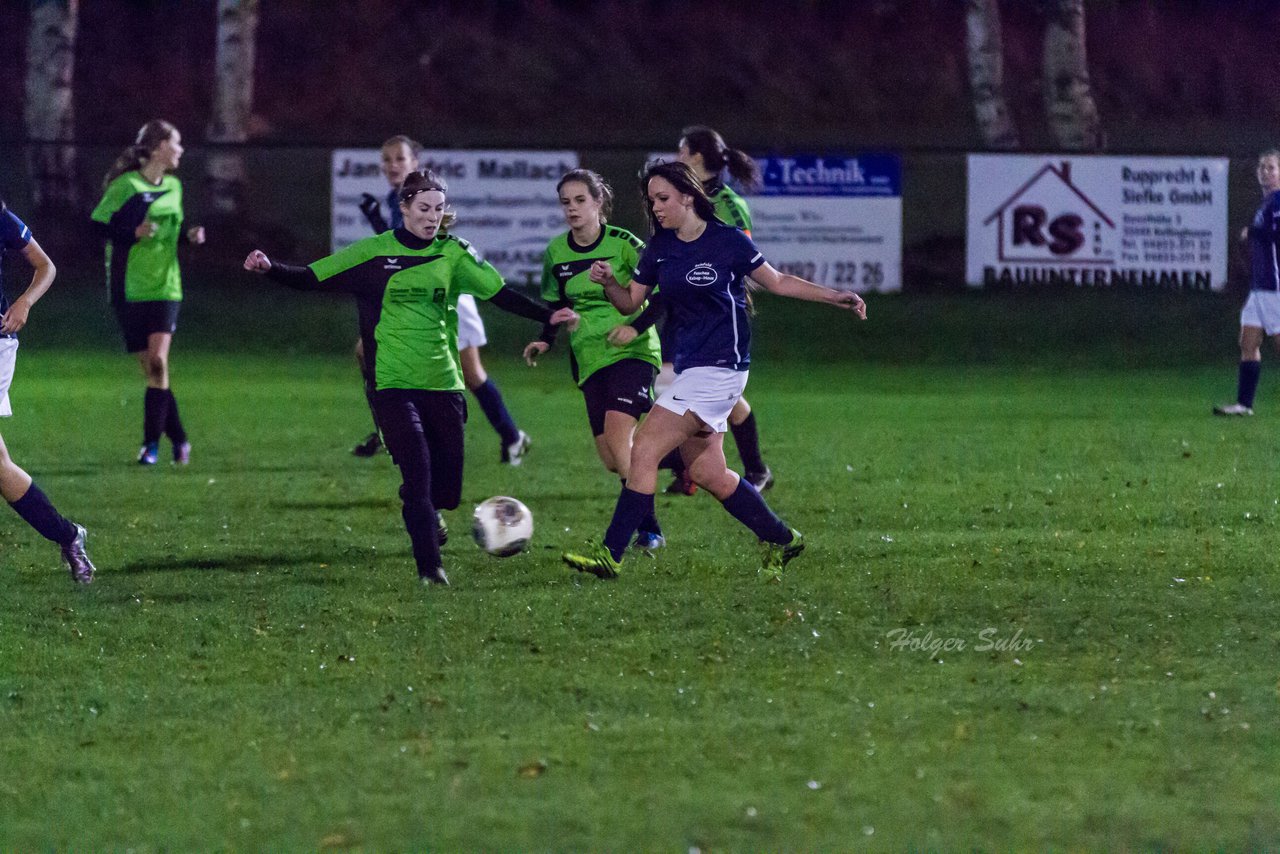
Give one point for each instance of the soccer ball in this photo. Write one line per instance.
(502, 526)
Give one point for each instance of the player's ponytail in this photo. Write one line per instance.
(423, 181)
(716, 155)
(149, 138)
(596, 186)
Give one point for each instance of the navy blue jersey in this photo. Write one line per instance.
(702, 284)
(14, 235)
(1264, 245)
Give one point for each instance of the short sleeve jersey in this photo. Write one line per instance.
(702, 283)
(730, 207)
(1264, 245)
(565, 269)
(14, 237)
(407, 293)
(142, 270)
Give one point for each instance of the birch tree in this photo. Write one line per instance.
(48, 111)
(1069, 105)
(985, 46)
(232, 102)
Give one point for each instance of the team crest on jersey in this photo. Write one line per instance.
(702, 275)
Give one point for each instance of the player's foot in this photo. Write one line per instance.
(682, 485)
(595, 559)
(442, 528)
(1232, 409)
(646, 541)
(435, 576)
(77, 559)
(761, 480)
(775, 556)
(149, 454)
(368, 446)
(182, 453)
(513, 454)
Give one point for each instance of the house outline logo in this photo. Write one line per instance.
(1003, 217)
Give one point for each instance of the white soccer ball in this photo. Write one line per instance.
(502, 526)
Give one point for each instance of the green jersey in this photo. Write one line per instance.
(730, 207)
(408, 298)
(142, 270)
(565, 268)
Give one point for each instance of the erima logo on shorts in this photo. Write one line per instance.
(702, 275)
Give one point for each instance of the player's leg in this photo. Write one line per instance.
(402, 430)
(29, 502)
(160, 339)
(471, 337)
(680, 484)
(1248, 373)
(153, 359)
(742, 422)
(371, 444)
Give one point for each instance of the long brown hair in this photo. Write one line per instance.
(596, 186)
(716, 155)
(150, 136)
(679, 175)
(422, 181)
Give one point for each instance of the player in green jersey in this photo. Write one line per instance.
(407, 282)
(616, 381)
(141, 219)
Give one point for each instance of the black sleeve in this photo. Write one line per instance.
(651, 315)
(118, 233)
(549, 330)
(517, 303)
(302, 278)
(373, 213)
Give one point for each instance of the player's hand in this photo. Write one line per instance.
(602, 273)
(195, 234)
(257, 262)
(567, 316)
(370, 206)
(621, 336)
(851, 301)
(533, 350)
(16, 317)
(145, 229)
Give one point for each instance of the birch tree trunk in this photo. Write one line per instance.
(1069, 105)
(232, 102)
(49, 110)
(985, 46)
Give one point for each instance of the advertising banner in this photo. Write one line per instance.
(1098, 221)
(505, 201)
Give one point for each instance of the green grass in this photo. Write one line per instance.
(255, 667)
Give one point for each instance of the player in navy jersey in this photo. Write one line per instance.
(1261, 314)
(16, 485)
(700, 266)
(400, 157)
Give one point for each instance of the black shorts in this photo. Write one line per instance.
(140, 319)
(625, 387)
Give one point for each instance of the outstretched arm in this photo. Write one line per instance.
(16, 317)
(787, 285)
(286, 274)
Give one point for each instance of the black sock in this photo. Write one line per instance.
(495, 410)
(40, 514)
(155, 411)
(1247, 384)
(649, 524)
(632, 506)
(746, 505)
(748, 440)
(172, 423)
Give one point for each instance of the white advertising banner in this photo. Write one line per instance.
(505, 201)
(832, 219)
(1098, 221)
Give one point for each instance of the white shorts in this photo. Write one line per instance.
(1262, 308)
(708, 393)
(8, 358)
(470, 327)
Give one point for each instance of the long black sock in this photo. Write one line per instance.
(496, 411)
(746, 505)
(1247, 384)
(173, 423)
(747, 437)
(39, 513)
(632, 506)
(155, 412)
(649, 524)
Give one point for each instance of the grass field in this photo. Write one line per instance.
(1037, 479)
